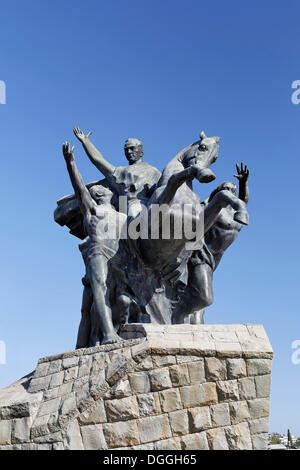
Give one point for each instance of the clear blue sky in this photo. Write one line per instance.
(161, 72)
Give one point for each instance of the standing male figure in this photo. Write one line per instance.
(202, 264)
(136, 181)
(100, 218)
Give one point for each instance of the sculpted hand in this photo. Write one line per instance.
(81, 135)
(68, 152)
(242, 173)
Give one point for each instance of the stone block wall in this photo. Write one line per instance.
(163, 387)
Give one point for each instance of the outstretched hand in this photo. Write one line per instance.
(242, 173)
(68, 152)
(81, 135)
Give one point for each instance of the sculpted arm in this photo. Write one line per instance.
(243, 175)
(85, 200)
(94, 155)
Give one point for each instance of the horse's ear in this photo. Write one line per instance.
(217, 139)
(202, 135)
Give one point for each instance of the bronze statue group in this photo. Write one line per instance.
(146, 278)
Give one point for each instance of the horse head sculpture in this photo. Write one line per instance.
(200, 154)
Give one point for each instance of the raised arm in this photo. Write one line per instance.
(85, 200)
(94, 155)
(243, 175)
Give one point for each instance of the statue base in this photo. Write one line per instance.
(163, 387)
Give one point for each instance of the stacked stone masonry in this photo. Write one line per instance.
(163, 387)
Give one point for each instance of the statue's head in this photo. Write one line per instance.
(101, 194)
(227, 185)
(134, 150)
(203, 152)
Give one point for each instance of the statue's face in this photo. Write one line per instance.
(100, 194)
(229, 187)
(202, 153)
(133, 152)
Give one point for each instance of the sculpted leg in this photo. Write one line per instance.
(84, 329)
(198, 293)
(122, 307)
(98, 276)
(204, 175)
(197, 318)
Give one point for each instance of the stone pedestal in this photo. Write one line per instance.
(163, 387)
